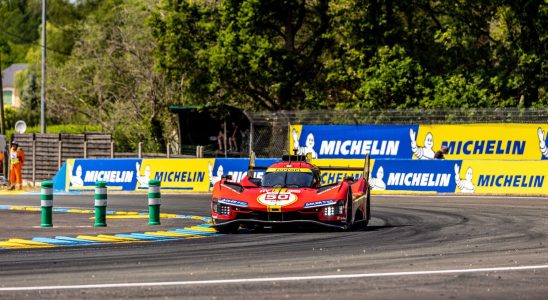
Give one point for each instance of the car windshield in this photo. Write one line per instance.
(287, 179)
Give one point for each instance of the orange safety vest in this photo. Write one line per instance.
(17, 156)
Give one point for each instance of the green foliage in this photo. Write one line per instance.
(119, 64)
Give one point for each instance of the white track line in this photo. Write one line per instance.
(271, 279)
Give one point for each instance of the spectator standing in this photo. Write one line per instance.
(17, 158)
(233, 139)
(440, 154)
(221, 137)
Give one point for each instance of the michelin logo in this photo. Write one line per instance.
(217, 178)
(425, 152)
(485, 147)
(346, 147)
(309, 145)
(465, 185)
(109, 176)
(542, 143)
(142, 179)
(525, 181)
(419, 179)
(75, 179)
(377, 183)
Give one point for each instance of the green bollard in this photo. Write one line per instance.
(154, 197)
(100, 204)
(46, 202)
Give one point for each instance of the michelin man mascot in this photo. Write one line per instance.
(142, 179)
(308, 148)
(542, 143)
(425, 152)
(215, 179)
(376, 183)
(465, 185)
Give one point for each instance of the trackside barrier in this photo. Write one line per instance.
(154, 198)
(491, 141)
(100, 204)
(394, 176)
(46, 203)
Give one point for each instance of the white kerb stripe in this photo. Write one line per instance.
(47, 191)
(100, 202)
(153, 201)
(46, 203)
(100, 190)
(271, 279)
(153, 189)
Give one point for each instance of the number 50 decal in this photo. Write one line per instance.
(280, 199)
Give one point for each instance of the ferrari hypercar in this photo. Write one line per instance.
(290, 193)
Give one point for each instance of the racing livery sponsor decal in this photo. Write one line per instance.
(278, 197)
(351, 141)
(502, 177)
(235, 167)
(84, 173)
(319, 203)
(481, 141)
(289, 169)
(233, 202)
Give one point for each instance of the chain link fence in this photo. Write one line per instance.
(269, 131)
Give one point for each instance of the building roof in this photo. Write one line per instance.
(8, 75)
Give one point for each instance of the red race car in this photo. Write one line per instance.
(290, 192)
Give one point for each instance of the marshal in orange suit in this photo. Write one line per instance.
(17, 158)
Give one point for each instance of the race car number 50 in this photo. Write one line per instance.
(281, 199)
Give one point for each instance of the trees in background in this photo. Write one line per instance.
(121, 63)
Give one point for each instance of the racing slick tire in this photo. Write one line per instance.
(349, 209)
(368, 206)
(228, 228)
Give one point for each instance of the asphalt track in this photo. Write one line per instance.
(428, 247)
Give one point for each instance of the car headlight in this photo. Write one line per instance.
(334, 210)
(329, 210)
(220, 208)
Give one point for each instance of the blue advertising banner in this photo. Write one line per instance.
(118, 173)
(353, 141)
(236, 167)
(414, 175)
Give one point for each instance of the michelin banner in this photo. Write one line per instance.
(349, 141)
(386, 175)
(193, 175)
(469, 141)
